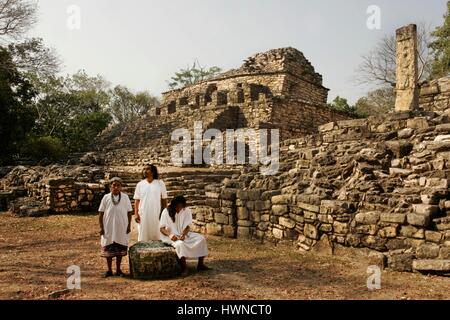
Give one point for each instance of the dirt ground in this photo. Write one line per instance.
(35, 254)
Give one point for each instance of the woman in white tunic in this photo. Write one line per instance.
(149, 196)
(175, 230)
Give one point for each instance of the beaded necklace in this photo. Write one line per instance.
(114, 200)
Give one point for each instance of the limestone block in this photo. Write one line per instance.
(367, 217)
(401, 261)
(221, 218)
(399, 218)
(286, 222)
(419, 220)
(377, 259)
(277, 233)
(242, 213)
(311, 231)
(427, 251)
(214, 229)
(153, 260)
(279, 210)
(407, 93)
(433, 236)
(243, 232)
(431, 265)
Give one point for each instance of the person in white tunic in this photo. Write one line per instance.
(175, 230)
(115, 225)
(150, 197)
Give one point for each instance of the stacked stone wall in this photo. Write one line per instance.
(378, 183)
(435, 95)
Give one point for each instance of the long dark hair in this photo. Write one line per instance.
(173, 205)
(153, 169)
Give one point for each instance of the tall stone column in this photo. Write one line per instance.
(407, 92)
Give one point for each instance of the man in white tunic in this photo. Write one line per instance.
(175, 230)
(115, 225)
(150, 196)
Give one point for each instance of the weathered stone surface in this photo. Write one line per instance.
(308, 207)
(214, 229)
(399, 218)
(221, 218)
(426, 209)
(407, 93)
(286, 222)
(243, 232)
(418, 219)
(433, 236)
(282, 199)
(427, 251)
(367, 217)
(311, 231)
(279, 210)
(324, 246)
(153, 260)
(377, 259)
(431, 265)
(340, 227)
(242, 213)
(277, 233)
(401, 261)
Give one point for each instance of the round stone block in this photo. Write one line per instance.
(153, 260)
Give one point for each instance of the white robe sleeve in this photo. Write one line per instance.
(137, 192)
(163, 189)
(187, 218)
(164, 219)
(102, 207)
(127, 202)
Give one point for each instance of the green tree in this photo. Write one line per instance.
(82, 130)
(441, 47)
(192, 75)
(379, 101)
(341, 104)
(16, 17)
(73, 109)
(125, 106)
(33, 59)
(378, 66)
(17, 116)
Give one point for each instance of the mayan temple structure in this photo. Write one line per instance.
(275, 89)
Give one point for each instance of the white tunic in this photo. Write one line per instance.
(150, 195)
(115, 220)
(194, 245)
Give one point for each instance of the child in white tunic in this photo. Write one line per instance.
(115, 225)
(175, 225)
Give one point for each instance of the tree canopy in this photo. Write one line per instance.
(440, 47)
(192, 74)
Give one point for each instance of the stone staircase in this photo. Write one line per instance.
(189, 182)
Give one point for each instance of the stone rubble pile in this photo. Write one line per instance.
(379, 183)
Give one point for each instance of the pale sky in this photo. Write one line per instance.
(140, 43)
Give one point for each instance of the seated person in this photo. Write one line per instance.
(174, 227)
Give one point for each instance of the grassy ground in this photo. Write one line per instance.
(35, 253)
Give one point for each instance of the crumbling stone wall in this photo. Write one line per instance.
(380, 183)
(435, 95)
(36, 191)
